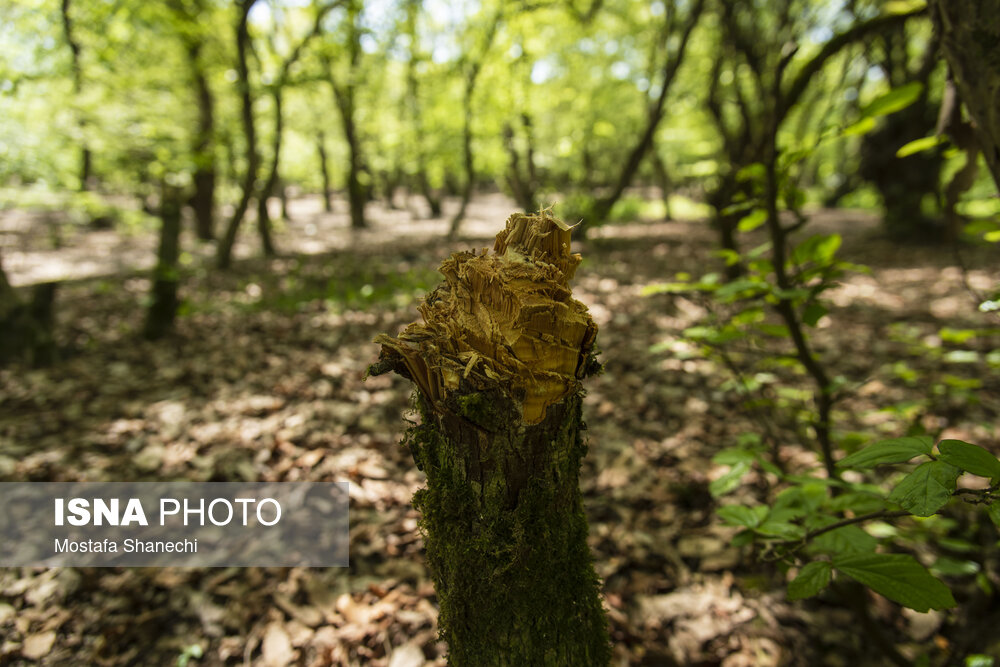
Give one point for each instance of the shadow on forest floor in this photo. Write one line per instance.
(262, 381)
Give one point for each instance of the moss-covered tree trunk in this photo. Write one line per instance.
(498, 362)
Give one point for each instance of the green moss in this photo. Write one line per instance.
(485, 409)
(506, 537)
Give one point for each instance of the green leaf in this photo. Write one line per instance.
(896, 450)
(752, 221)
(751, 172)
(732, 456)
(993, 511)
(920, 145)
(781, 529)
(962, 356)
(819, 248)
(894, 100)
(740, 515)
(730, 480)
(969, 457)
(953, 567)
(926, 490)
(666, 288)
(863, 126)
(844, 540)
(812, 313)
(811, 580)
(859, 502)
(898, 577)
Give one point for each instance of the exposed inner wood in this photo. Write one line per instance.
(505, 319)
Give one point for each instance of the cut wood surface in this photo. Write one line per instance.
(506, 319)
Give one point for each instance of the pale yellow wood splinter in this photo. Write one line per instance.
(507, 319)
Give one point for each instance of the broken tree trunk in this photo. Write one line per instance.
(498, 362)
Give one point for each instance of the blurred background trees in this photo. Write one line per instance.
(584, 105)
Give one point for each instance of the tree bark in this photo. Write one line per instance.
(356, 191)
(324, 170)
(970, 39)
(26, 328)
(473, 66)
(500, 442)
(86, 159)
(413, 105)
(663, 181)
(224, 256)
(343, 97)
(163, 307)
(523, 181)
(203, 199)
(271, 180)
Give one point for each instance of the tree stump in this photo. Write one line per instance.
(497, 362)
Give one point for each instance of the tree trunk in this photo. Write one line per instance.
(26, 329)
(224, 256)
(163, 307)
(468, 163)
(662, 180)
(86, 160)
(473, 67)
(602, 207)
(283, 195)
(343, 94)
(432, 199)
(272, 178)
(500, 441)
(523, 182)
(970, 35)
(203, 199)
(356, 191)
(324, 170)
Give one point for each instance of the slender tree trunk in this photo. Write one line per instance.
(283, 195)
(602, 207)
(500, 442)
(523, 181)
(224, 256)
(163, 307)
(468, 164)
(26, 328)
(86, 159)
(413, 104)
(272, 178)
(324, 170)
(662, 180)
(473, 67)
(970, 39)
(203, 199)
(433, 200)
(357, 192)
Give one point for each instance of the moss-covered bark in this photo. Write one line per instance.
(498, 362)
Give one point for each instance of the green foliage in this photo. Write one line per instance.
(811, 580)
(926, 490)
(896, 450)
(970, 458)
(759, 322)
(898, 577)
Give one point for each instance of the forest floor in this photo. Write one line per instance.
(263, 381)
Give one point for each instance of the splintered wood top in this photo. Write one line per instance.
(504, 319)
